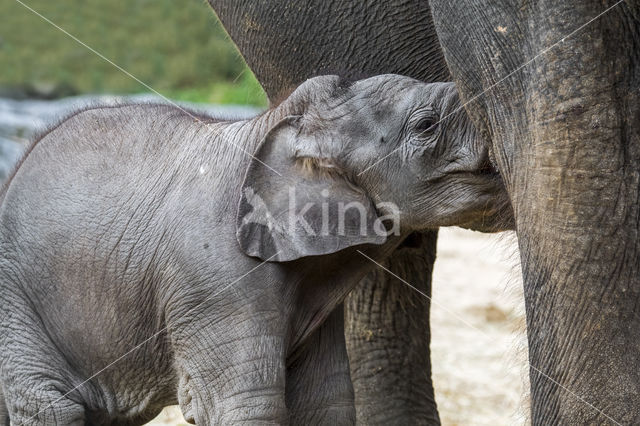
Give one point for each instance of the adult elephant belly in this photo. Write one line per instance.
(387, 323)
(555, 86)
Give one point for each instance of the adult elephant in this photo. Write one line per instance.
(387, 323)
(556, 87)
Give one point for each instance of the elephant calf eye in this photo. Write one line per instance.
(426, 124)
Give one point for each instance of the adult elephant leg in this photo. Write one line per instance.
(565, 128)
(583, 309)
(388, 336)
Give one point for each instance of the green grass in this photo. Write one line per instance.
(244, 91)
(177, 47)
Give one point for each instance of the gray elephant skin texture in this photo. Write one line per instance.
(121, 250)
(286, 42)
(564, 126)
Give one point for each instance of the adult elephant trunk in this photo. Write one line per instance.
(562, 110)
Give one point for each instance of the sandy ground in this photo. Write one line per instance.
(479, 343)
(478, 346)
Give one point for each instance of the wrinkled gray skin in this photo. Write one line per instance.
(286, 42)
(119, 252)
(565, 130)
(564, 125)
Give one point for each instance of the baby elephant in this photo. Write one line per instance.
(132, 240)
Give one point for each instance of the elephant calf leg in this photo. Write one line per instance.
(35, 381)
(32, 403)
(319, 389)
(232, 374)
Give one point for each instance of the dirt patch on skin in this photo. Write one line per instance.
(478, 341)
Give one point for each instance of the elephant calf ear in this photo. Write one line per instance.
(306, 208)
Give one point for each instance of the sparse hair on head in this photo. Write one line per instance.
(317, 166)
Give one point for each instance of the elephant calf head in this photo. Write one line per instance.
(359, 160)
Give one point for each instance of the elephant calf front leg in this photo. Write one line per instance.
(232, 374)
(319, 389)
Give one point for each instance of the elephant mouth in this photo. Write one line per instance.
(485, 175)
(481, 167)
(500, 216)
